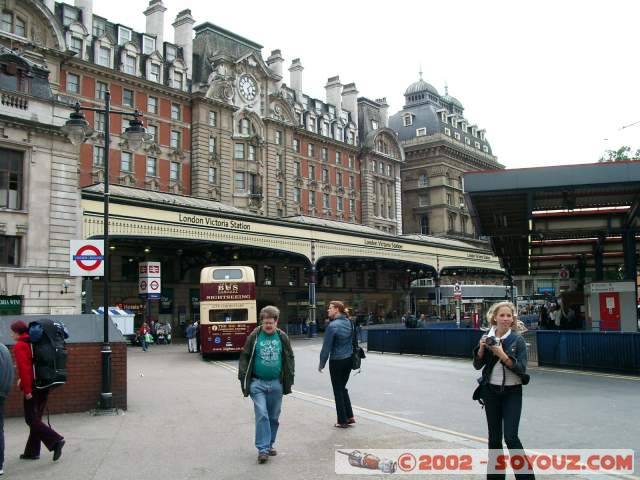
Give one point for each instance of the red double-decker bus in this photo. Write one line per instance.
(227, 308)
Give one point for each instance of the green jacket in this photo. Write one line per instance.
(245, 366)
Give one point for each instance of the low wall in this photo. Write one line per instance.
(84, 365)
(84, 381)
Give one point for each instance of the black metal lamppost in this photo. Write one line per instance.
(77, 130)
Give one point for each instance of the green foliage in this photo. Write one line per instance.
(621, 154)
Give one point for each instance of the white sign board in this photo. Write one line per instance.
(86, 258)
(149, 279)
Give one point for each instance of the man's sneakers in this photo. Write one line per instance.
(273, 452)
(1, 471)
(57, 450)
(263, 457)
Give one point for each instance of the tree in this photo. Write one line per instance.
(621, 154)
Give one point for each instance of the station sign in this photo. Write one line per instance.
(149, 282)
(86, 258)
(457, 291)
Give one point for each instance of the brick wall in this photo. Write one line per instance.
(82, 390)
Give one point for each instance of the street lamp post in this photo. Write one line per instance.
(77, 130)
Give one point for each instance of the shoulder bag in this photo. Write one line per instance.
(358, 352)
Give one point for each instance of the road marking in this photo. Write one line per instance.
(374, 412)
(401, 420)
(589, 374)
(542, 369)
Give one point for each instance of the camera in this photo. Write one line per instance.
(491, 342)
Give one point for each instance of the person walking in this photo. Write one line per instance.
(143, 331)
(502, 354)
(337, 347)
(6, 381)
(35, 400)
(191, 338)
(266, 371)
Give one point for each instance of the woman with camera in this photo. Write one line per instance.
(502, 354)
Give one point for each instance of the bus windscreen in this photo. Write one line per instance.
(233, 315)
(227, 274)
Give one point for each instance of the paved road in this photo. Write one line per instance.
(188, 420)
(562, 409)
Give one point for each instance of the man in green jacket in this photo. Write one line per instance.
(266, 372)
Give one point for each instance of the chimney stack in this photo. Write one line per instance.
(183, 37)
(350, 101)
(334, 91)
(275, 63)
(86, 6)
(155, 22)
(295, 77)
(384, 111)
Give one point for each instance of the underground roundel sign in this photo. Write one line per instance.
(86, 258)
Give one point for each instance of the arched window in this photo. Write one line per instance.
(424, 225)
(245, 127)
(452, 222)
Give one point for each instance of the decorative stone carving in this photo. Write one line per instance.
(153, 149)
(152, 183)
(128, 180)
(176, 154)
(220, 82)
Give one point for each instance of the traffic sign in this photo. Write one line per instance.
(86, 258)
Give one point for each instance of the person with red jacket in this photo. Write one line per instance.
(35, 400)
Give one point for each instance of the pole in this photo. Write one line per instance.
(106, 395)
(312, 299)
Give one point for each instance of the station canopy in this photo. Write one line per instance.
(541, 219)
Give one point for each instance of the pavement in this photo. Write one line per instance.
(187, 419)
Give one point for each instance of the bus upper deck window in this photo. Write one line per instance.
(227, 274)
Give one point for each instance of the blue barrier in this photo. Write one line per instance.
(423, 341)
(606, 351)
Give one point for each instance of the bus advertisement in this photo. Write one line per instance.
(227, 308)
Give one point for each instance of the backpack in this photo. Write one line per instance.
(49, 353)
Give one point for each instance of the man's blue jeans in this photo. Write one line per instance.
(267, 401)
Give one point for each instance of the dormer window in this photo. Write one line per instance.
(325, 129)
(485, 149)
(76, 45)
(443, 117)
(339, 135)
(456, 135)
(311, 124)
(11, 23)
(154, 72)
(124, 35)
(98, 27)
(178, 80)
(130, 64)
(407, 119)
(477, 145)
(69, 15)
(170, 53)
(421, 132)
(148, 45)
(447, 131)
(104, 56)
(464, 127)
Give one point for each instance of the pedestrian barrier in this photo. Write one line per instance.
(424, 341)
(606, 351)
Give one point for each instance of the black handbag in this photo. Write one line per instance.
(358, 352)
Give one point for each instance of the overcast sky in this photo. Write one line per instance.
(552, 82)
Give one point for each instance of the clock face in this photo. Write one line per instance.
(248, 87)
